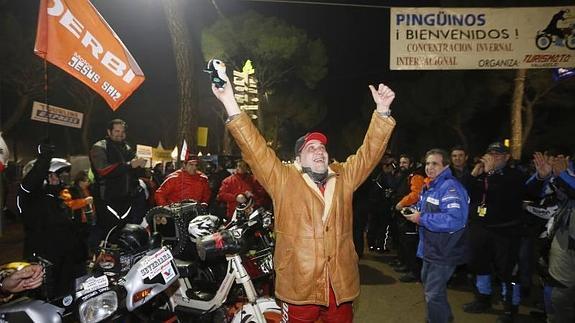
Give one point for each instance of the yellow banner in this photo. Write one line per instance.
(161, 154)
(203, 136)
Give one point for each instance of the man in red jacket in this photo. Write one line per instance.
(187, 183)
(242, 182)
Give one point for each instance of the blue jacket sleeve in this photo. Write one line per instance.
(566, 181)
(536, 186)
(452, 216)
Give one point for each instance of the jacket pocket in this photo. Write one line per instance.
(348, 252)
(282, 258)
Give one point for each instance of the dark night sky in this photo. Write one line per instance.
(356, 40)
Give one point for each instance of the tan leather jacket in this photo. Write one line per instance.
(314, 240)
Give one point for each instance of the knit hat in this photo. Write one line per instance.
(192, 158)
(498, 148)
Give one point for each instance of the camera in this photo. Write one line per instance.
(408, 211)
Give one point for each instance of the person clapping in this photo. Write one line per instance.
(27, 278)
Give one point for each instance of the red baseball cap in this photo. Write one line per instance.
(303, 140)
(192, 159)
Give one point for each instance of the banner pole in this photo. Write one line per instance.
(46, 95)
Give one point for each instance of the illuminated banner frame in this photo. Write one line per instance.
(481, 38)
(57, 115)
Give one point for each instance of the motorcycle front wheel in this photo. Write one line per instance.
(570, 41)
(267, 306)
(542, 41)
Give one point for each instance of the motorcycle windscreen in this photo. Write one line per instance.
(149, 276)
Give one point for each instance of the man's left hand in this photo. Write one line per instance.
(29, 277)
(383, 97)
(414, 217)
(560, 164)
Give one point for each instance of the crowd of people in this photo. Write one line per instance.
(65, 218)
(444, 216)
(506, 222)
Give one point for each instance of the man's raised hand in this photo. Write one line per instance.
(226, 96)
(383, 97)
(542, 165)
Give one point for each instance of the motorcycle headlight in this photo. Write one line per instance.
(98, 308)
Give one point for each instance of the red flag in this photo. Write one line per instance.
(72, 35)
(4, 154)
(184, 154)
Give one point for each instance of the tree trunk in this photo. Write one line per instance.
(459, 130)
(88, 108)
(183, 55)
(528, 124)
(516, 122)
(85, 98)
(23, 102)
(263, 102)
(461, 135)
(227, 149)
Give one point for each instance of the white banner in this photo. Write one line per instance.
(481, 38)
(59, 116)
(146, 152)
(143, 151)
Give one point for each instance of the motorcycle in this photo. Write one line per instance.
(120, 283)
(205, 290)
(544, 38)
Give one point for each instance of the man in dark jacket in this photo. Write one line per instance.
(497, 192)
(117, 195)
(459, 167)
(381, 203)
(408, 191)
(49, 229)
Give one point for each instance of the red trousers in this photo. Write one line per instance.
(312, 313)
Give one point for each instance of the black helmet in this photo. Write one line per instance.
(131, 237)
(57, 165)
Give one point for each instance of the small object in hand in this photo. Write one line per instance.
(217, 70)
(408, 211)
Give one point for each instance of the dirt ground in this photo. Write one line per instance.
(384, 298)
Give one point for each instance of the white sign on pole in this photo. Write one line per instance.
(143, 151)
(59, 116)
(482, 38)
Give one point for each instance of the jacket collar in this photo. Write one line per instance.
(330, 172)
(439, 179)
(327, 196)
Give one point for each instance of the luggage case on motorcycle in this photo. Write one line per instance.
(171, 221)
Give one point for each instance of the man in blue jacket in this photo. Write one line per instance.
(442, 216)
